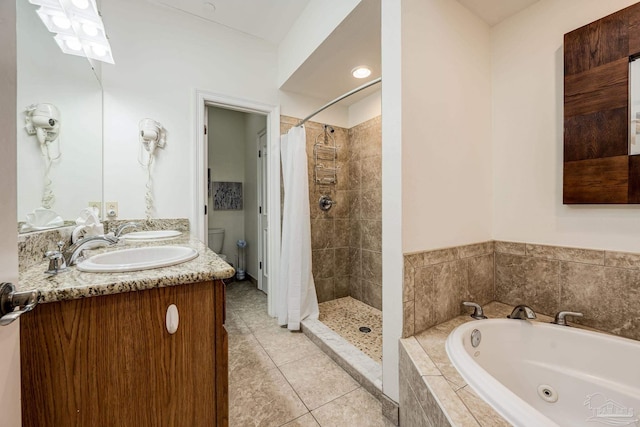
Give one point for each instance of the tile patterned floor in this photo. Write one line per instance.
(346, 315)
(280, 378)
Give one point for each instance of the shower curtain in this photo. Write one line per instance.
(298, 299)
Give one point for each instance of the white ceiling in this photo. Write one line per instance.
(267, 19)
(495, 11)
(326, 74)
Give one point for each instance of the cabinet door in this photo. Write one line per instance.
(109, 360)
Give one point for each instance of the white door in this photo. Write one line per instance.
(9, 335)
(208, 185)
(263, 222)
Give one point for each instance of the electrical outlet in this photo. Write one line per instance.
(97, 205)
(112, 209)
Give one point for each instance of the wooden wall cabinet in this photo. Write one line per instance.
(109, 360)
(597, 165)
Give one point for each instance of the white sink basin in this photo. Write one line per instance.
(137, 259)
(151, 235)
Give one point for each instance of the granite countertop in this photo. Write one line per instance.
(75, 284)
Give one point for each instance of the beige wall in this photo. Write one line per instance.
(527, 79)
(446, 126)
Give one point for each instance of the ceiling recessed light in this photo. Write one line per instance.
(73, 44)
(361, 72)
(80, 4)
(61, 22)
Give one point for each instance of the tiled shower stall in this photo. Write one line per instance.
(347, 239)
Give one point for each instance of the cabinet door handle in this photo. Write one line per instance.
(14, 304)
(172, 319)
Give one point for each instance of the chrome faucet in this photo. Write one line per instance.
(478, 313)
(522, 312)
(73, 252)
(124, 226)
(561, 316)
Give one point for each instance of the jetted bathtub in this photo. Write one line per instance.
(538, 374)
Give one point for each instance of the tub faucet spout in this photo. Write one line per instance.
(478, 313)
(522, 312)
(561, 317)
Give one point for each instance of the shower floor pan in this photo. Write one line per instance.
(337, 333)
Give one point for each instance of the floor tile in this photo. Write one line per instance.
(304, 421)
(246, 358)
(256, 318)
(265, 400)
(318, 380)
(356, 409)
(284, 346)
(235, 325)
(261, 394)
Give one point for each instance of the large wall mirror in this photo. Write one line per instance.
(601, 142)
(59, 127)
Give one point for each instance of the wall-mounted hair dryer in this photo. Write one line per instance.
(43, 121)
(152, 135)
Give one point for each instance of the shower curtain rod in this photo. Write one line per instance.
(340, 98)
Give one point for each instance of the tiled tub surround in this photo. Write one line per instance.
(432, 393)
(32, 246)
(346, 240)
(436, 282)
(604, 285)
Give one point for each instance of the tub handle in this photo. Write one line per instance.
(478, 313)
(561, 317)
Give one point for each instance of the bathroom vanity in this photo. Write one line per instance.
(98, 352)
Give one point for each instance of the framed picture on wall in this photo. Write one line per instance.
(227, 196)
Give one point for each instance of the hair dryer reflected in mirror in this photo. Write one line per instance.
(43, 121)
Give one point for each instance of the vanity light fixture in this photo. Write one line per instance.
(77, 26)
(361, 72)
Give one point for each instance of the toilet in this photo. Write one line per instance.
(216, 240)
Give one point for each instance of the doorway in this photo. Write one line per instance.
(259, 176)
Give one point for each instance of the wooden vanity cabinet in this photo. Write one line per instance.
(109, 360)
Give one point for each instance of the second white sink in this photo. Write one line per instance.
(152, 235)
(137, 259)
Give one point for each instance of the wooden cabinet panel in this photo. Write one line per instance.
(596, 44)
(634, 30)
(597, 168)
(596, 135)
(598, 89)
(109, 360)
(596, 180)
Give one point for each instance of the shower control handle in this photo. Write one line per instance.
(325, 203)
